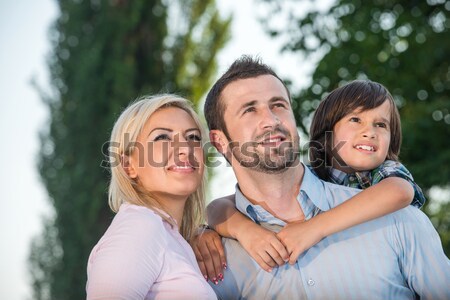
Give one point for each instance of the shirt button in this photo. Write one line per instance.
(311, 282)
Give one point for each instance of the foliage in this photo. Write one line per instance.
(402, 44)
(105, 54)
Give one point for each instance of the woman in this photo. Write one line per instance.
(156, 189)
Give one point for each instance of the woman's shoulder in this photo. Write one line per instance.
(137, 222)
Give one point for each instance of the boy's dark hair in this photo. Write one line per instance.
(358, 94)
(242, 68)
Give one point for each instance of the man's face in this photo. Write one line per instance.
(261, 125)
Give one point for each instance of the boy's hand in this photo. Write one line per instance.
(208, 249)
(263, 246)
(298, 237)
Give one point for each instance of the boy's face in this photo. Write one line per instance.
(362, 138)
(260, 123)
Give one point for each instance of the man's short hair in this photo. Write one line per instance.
(242, 68)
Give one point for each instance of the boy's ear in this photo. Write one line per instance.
(219, 140)
(128, 166)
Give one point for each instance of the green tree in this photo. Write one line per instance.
(105, 54)
(402, 44)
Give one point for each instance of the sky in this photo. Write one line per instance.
(24, 28)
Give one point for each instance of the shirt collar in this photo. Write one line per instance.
(312, 191)
(337, 176)
(314, 188)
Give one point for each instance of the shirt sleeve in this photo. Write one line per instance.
(422, 259)
(392, 168)
(127, 260)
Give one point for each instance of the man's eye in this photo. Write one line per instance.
(250, 109)
(282, 105)
(162, 137)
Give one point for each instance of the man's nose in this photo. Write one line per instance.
(269, 119)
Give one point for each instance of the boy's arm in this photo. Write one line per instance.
(262, 244)
(391, 168)
(389, 195)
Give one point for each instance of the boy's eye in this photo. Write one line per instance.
(381, 125)
(162, 137)
(354, 119)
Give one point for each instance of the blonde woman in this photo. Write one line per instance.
(156, 189)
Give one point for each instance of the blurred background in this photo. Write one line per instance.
(69, 67)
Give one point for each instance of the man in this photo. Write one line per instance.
(398, 256)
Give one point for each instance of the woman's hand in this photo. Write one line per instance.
(263, 246)
(208, 249)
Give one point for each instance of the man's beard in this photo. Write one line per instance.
(272, 160)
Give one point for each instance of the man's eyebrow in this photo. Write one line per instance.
(247, 104)
(278, 98)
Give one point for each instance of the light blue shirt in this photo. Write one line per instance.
(398, 256)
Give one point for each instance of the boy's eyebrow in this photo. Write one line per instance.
(385, 120)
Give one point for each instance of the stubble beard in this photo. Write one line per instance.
(271, 160)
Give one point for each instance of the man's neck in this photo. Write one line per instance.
(276, 193)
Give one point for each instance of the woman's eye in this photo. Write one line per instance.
(354, 119)
(194, 137)
(162, 137)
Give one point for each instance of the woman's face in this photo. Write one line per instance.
(168, 156)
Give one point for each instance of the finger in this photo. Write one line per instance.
(281, 249)
(273, 253)
(209, 265)
(220, 249)
(200, 262)
(268, 259)
(294, 256)
(216, 260)
(260, 261)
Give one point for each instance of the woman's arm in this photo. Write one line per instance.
(389, 195)
(128, 259)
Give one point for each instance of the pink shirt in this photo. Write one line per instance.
(141, 256)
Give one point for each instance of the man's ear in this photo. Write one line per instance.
(128, 166)
(218, 139)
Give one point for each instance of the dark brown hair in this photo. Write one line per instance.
(358, 94)
(242, 68)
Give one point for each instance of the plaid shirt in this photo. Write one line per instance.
(389, 168)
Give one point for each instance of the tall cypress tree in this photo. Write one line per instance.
(105, 54)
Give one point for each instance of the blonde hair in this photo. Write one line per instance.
(122, 188)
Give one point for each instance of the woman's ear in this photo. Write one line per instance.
(128, 166)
